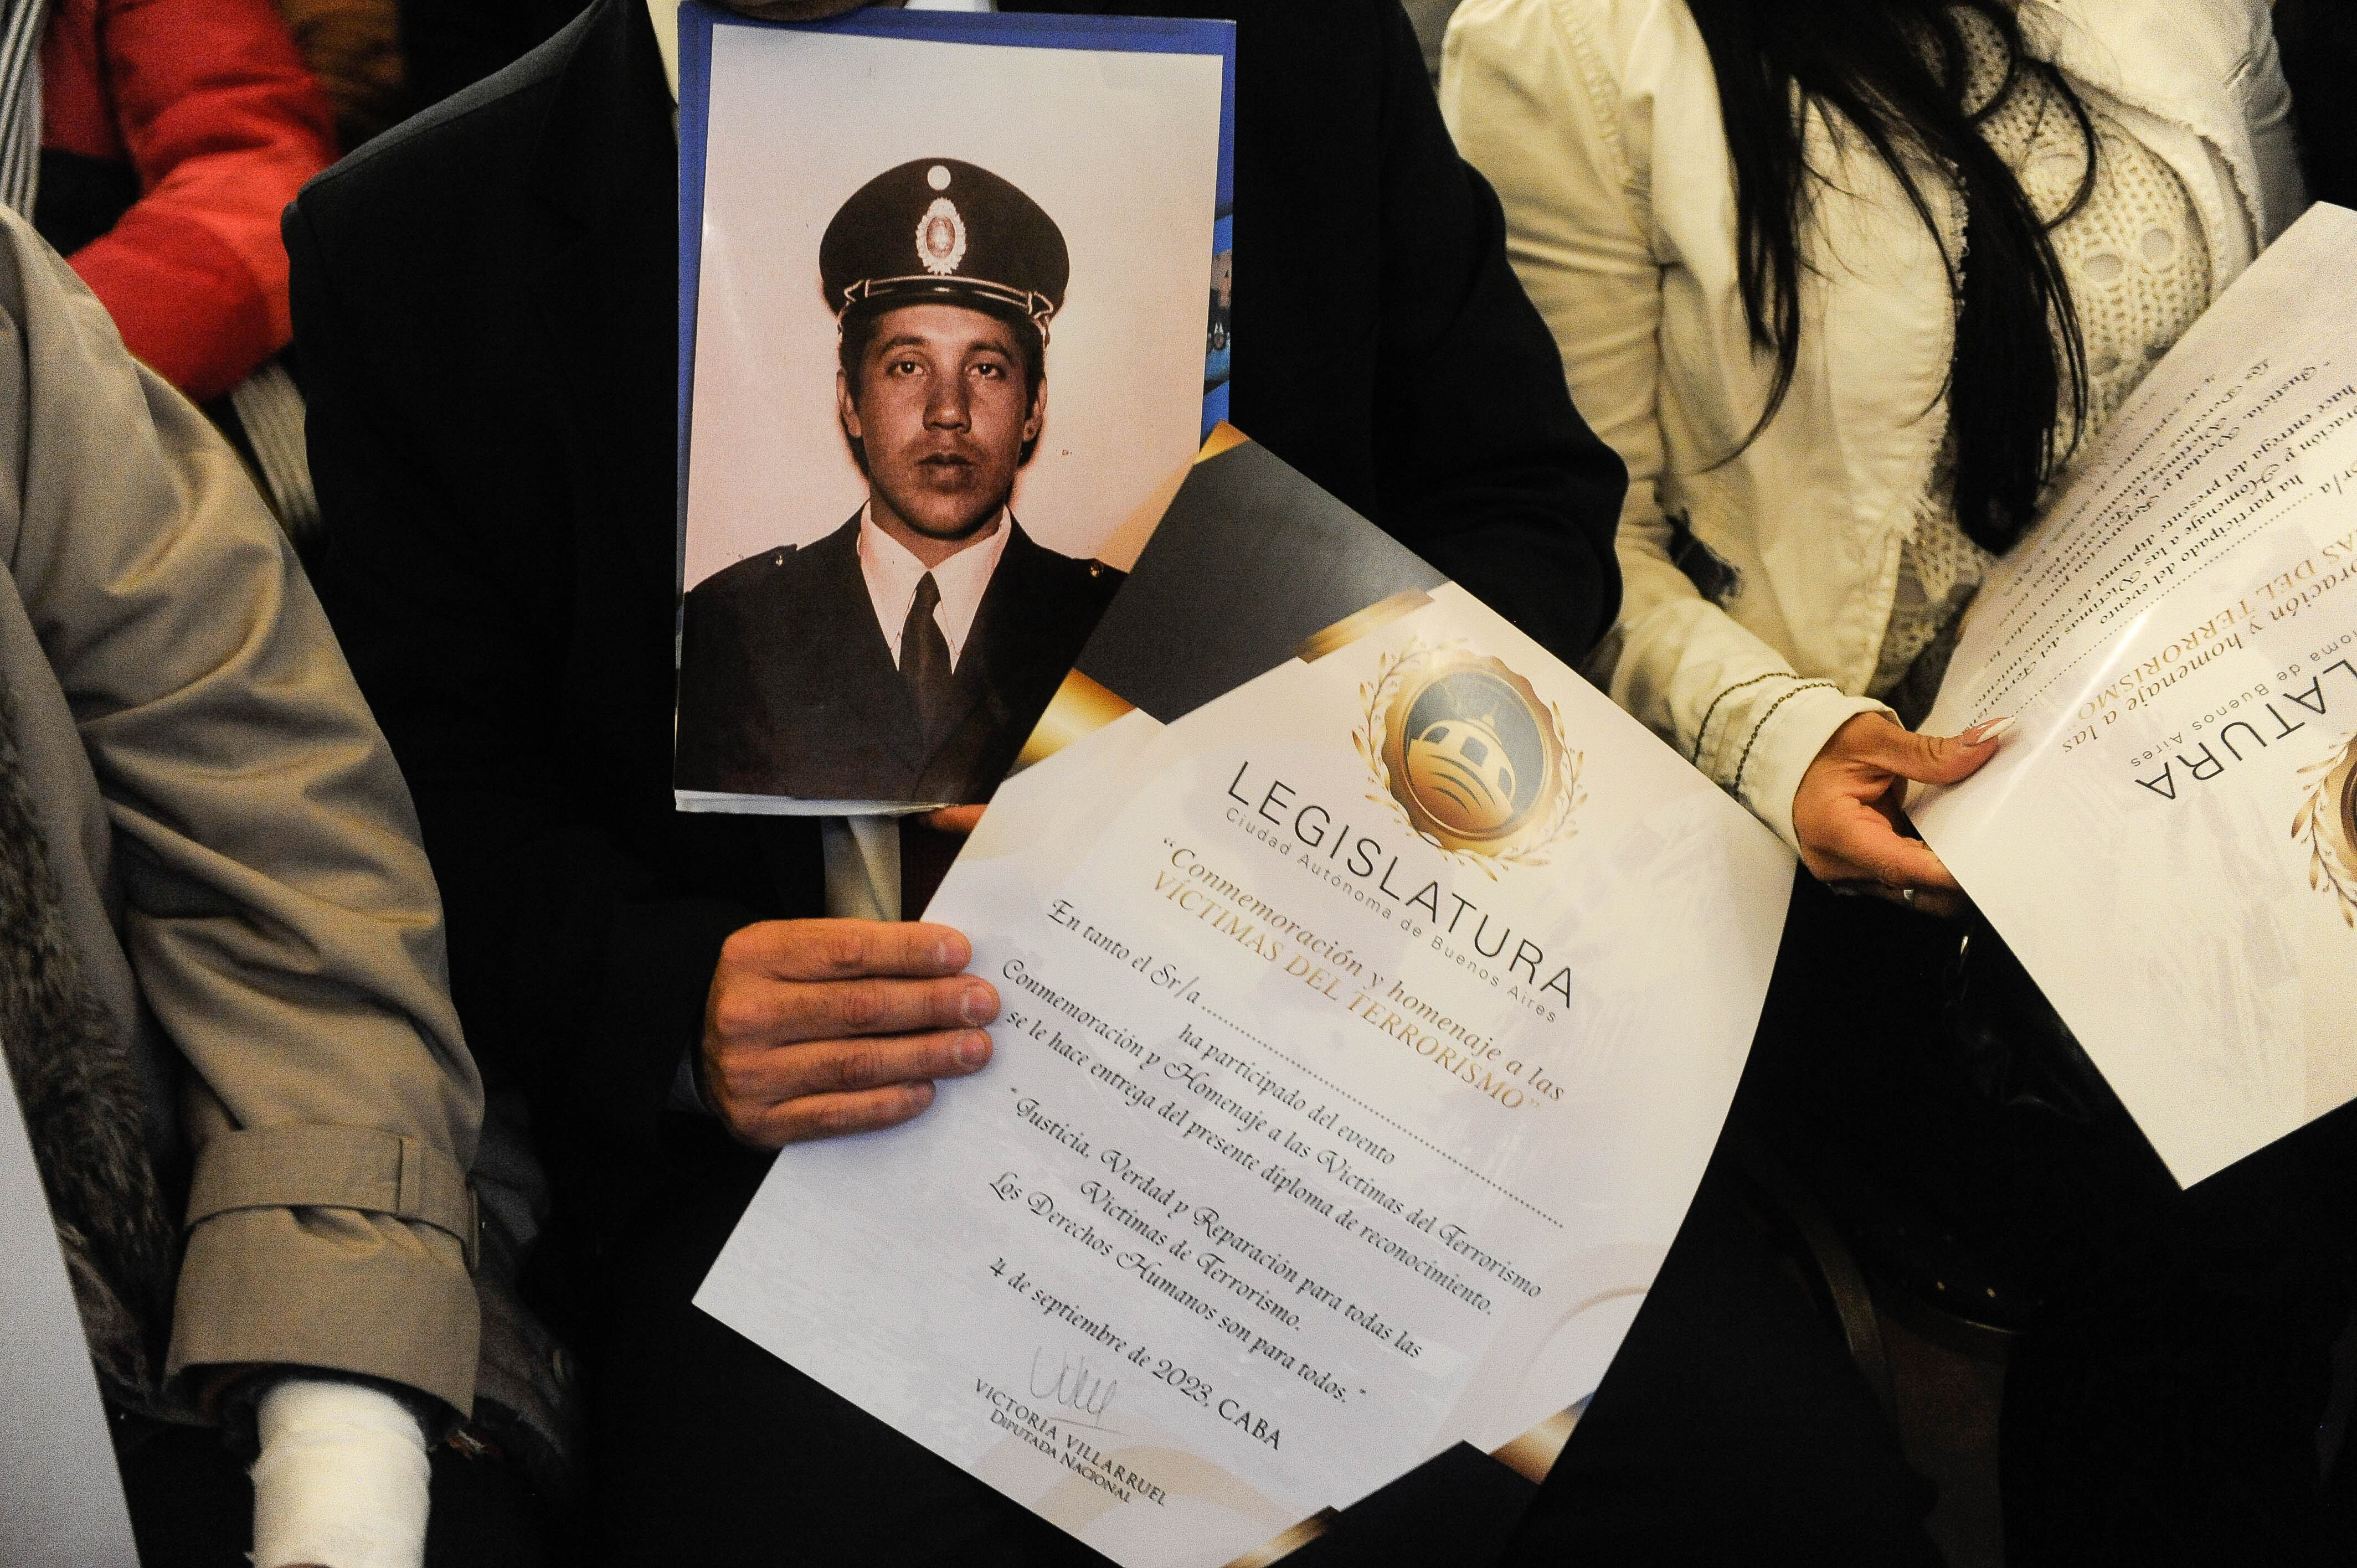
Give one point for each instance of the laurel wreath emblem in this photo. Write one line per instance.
(1535, 845)
(2322, 825)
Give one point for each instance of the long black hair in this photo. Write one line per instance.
(1894, 71)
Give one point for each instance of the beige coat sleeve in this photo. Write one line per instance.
(276, 905)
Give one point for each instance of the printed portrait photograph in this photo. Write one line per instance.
(949, 367)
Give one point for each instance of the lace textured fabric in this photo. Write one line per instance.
(2138, 271)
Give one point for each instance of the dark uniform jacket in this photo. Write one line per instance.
(787, 687)
(485, 300)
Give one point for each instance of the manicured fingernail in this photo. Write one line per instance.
(945, 953)
(978, 1005)
(1982, 734)
(973, 1049)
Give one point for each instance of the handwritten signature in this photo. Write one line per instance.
(1073, 1384)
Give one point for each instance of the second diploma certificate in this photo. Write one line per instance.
(1374, 992)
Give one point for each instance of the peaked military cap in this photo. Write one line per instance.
(939, 229)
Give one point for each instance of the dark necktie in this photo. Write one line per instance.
(925, 660)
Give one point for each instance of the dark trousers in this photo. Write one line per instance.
(2162, 1408)
(2162, 1402)
(1732, 1426)
(191, 1506)
(2162, 1398)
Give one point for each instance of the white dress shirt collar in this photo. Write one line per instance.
(892, 574)
(664, 13)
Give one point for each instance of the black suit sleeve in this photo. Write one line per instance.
(1487, 470)
(579, 966)
(716, 690)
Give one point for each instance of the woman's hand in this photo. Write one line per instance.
(1847, 814)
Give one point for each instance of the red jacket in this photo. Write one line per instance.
(210, 105)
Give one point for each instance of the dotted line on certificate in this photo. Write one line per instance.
(1378, 1115)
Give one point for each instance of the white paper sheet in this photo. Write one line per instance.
(2168, 840)
(60, 1496)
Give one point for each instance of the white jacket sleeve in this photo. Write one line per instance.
(1533, 95)
(2275, 143)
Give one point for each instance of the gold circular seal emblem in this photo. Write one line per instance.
(1471, 755)
(2326, 826)
(2349, 812)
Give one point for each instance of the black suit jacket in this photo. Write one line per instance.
(485, 299)
(787, 687)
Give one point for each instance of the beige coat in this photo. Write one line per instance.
(233, 864)
(1599, 123)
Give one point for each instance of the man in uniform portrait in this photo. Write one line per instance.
(906, 655)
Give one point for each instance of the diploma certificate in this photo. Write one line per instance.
(2169, 840)
(1375, 991)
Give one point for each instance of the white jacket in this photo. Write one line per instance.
(1599, 123)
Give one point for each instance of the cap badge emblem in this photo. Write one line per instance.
(941, 237)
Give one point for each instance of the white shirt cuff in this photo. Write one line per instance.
(862, 866)
(1787, 742)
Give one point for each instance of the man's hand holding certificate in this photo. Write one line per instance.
(819, 1029)
(1372, 992)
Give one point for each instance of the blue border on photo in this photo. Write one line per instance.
(1136, 34)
